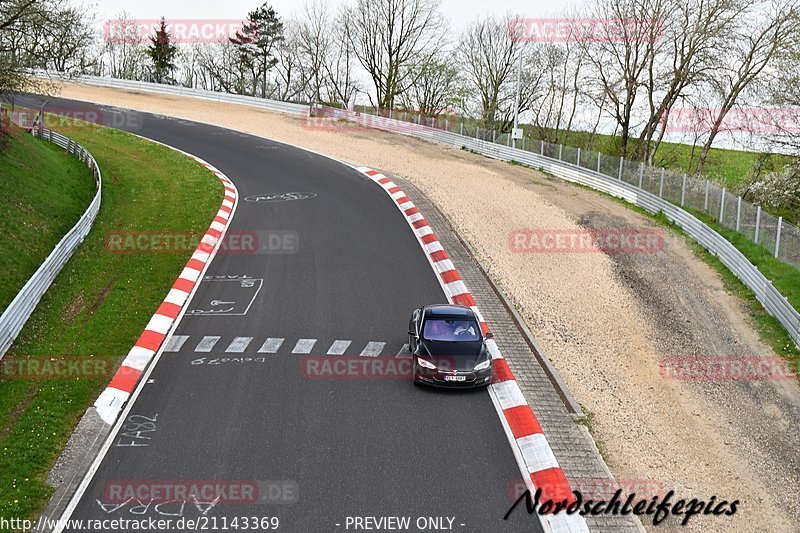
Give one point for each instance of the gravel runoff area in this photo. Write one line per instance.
(605, 320)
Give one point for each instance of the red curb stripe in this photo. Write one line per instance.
(402, 200)
(220, 220)
(150, 340)
(214, 233)
(420, 223)
(439, 255)
(196, 264)
(371, 172)
(205, 247)
(225, 208)
(522, 421)
(501, 370)
(429, 238)
(183, 284)
(554, 485)
(125, 379)
(465, 299)
(393, 190)
(411, 211)
(450, 276)
(169, 309)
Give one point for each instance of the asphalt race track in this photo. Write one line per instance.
(228, 400)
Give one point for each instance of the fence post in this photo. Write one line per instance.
(705, 202)
(758, 222)
(578, 160)
(447, 124)
(683, 190)
(461, 131)
(598, 162)
(621, 163)
(661, 185)
(738, 211)
(494, 135)
(477, 129)
(541, 149)
(641, 174)
(523, 143)
(722, 205)
(778, 236)
(560, 150)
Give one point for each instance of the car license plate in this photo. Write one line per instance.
(455, 378)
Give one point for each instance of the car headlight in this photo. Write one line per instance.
(422, 362)
(484, 365)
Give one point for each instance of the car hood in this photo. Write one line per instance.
(452, 355)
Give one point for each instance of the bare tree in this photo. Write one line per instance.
(124, 48)
(437, 89)
(769, 29)
(389, 35)
(622, 52)
(694, 32)
(487, 53)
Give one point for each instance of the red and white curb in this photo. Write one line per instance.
(535, 457)
(113, 398)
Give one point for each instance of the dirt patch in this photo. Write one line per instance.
(605, 320)
(74, 308)
(18, 410)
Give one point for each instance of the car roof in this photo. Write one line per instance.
(447, 310)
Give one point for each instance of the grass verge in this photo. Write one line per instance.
(43, 193)
(100, 302)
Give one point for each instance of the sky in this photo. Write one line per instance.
(459, 12)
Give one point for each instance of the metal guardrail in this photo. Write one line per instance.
(772, 300)
(26, 300)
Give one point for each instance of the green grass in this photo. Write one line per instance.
(731, 168)
(43, 193)
(99, 304)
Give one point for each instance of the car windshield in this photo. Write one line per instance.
(450, 329)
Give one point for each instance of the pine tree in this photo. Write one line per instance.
(162, 53)
(256, 43)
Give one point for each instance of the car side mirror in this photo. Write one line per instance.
(489, 336)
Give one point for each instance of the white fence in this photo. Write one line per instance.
(583, 171)
(23, 304)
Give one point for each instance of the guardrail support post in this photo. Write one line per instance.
(578, 160)
(461, 130)
(541, 148)
(758, 223)
(560, 151)
(598, 162)
(705, 202)
(722, 205)
(523, 143)
(641, 174)
(494, 135)
(621, 164)
(778, 236)
(738, 211)
(683, 190)
(661, 185)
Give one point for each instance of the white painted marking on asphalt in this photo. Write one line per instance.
(272, 345)
(304, 346)
(238, 345)
(373, 349)
(206, 344)
(338, 347)
(404, 352)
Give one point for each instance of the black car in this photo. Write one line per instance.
(448, 347)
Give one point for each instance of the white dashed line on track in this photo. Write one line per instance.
(206, 344)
